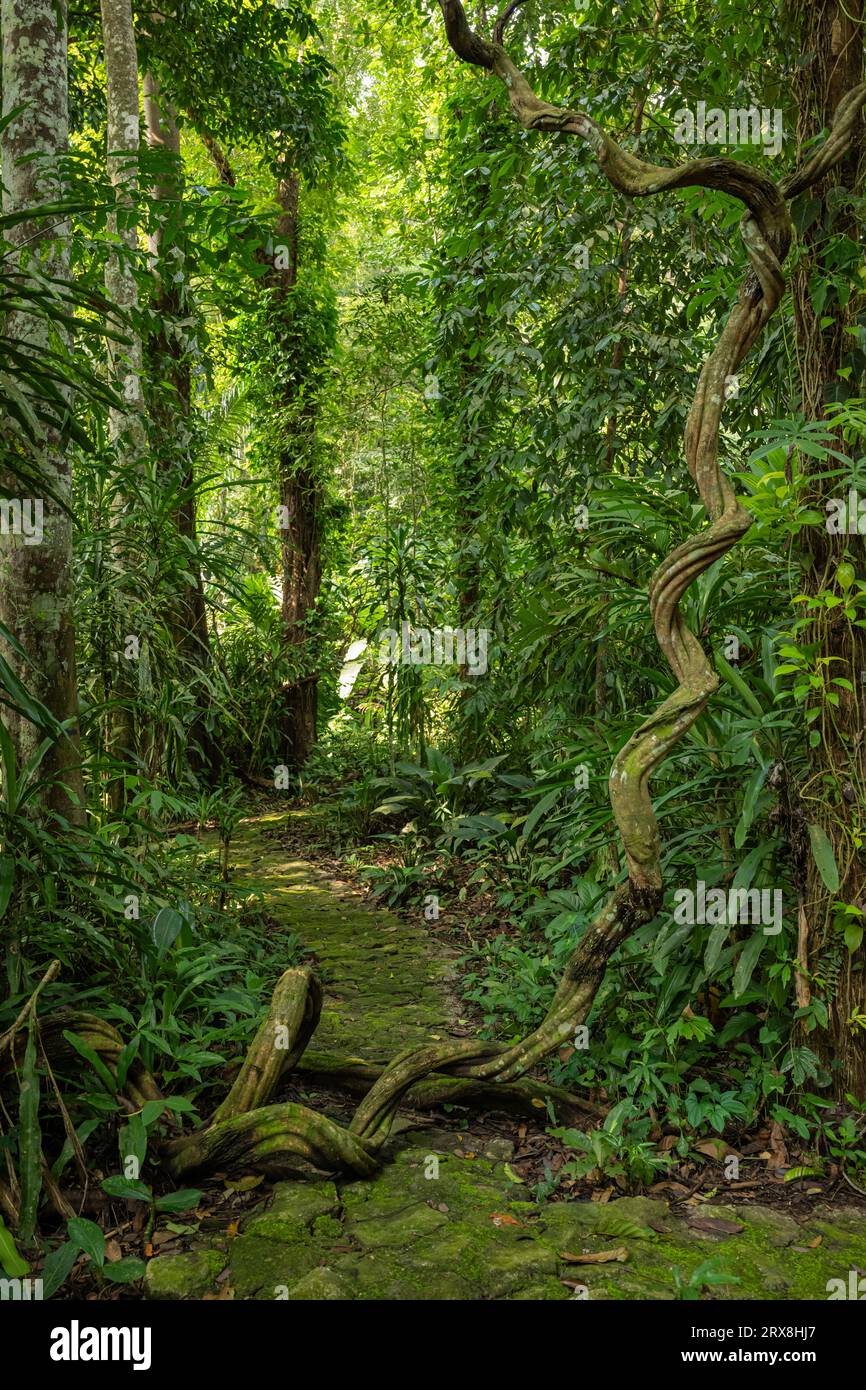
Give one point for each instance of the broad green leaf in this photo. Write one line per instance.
(58, 1266)
(182, 1200)
(747, 962)
(88, 1237)
(124, 1271)
(86, 1051)
(822, 853)
(10, 1261)
(167, 925)
(130, 1188)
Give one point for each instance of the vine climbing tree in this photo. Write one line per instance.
(277, 1138)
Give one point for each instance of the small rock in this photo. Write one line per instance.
(322, 1283)
(182, 1276)
(500, 1150)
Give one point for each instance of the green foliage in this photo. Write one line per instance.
(707, 1275)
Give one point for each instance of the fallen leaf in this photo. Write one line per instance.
(813, 1244)
(679, 1189)
(601, 1257)
(512, 1174)
(113, 1251)
(225, 1295)
(778, 1152)
(232, 1229)
(716, 1148)
(602, 1194)
(504, 1219)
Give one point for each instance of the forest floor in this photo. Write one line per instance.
(448, 1217)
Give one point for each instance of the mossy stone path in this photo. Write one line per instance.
(385, 981)
(443, 1219)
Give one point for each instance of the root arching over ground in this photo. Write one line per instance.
(247, 1130)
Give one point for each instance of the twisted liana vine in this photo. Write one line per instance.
(277, 1139)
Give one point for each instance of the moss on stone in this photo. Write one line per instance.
(265, 1268)
(425, 1230)
(183, 1275)
(321, 1284)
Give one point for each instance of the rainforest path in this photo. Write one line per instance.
(443, 1219)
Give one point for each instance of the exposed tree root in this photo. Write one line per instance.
(292, 1019)
(525, 1096)
(278, 1140)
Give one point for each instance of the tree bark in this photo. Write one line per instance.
(301, 498)
(171, 412)
(36, 580)
(126, 427)
(832, 47)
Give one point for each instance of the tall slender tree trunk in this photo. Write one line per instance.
(126, 427)
(298, 482)
(832, 47)
(36, 582)
(301, 500)
(300, 494)
(172, 411)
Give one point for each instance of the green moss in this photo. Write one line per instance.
(321, 1284)
(398, 1227)
(183, 1276)
(429, 1225)
(293, 1209)
(262, 1268)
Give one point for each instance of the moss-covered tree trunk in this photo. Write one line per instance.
(835, 794)
(36, 579)
(300, 494)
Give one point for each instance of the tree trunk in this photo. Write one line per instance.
(300, 497)
(126, 427)
(300, 552)
(832, 44)
(171, 411)
(36, 581)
